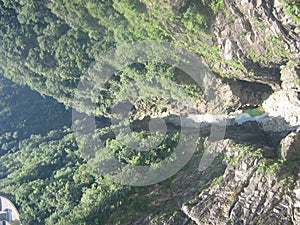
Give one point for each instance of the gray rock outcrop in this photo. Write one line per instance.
(247, 193)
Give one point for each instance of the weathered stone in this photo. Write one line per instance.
(246, 195)
(290, 77)
(228, 52)
(283, 108)
(290, 146)
(259, 31)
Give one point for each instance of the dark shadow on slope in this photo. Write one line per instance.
(24, 112)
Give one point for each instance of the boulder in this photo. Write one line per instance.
(290, 146)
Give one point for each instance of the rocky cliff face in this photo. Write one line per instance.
(266, 41)
(249, 193)
(284, 105)
(256, 177)
(260, 35)
(247, 183)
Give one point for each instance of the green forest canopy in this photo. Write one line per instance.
(48, 46)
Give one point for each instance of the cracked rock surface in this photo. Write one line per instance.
(247, 194)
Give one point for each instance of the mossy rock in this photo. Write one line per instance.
(255, 112)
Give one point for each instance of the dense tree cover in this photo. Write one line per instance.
(46, 174)
(40, 50)
(49, 46)
(24, 112)
(52, 183)
(49, 181)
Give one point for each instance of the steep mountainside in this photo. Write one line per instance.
(151, 74)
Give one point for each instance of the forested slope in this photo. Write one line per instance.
(25, 112)
(55, 177)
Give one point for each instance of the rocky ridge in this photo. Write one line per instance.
(255, 177)
(249, 193)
